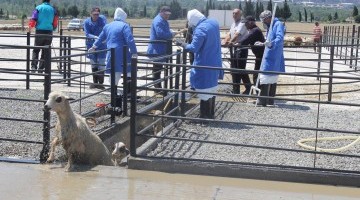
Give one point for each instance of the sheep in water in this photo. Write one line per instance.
(80, 143)
(120, 151)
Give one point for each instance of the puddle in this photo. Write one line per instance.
(26, 181)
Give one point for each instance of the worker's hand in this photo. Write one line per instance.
(225, 43)
(179, 42)
(92, 49)
(268, 44)
(135, 55)
(184, 30)
(258, 43)
(96, 37)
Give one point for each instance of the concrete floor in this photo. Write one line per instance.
(34, 181)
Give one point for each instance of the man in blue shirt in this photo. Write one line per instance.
(45, 19)
(160, 30)
(273, 57)
(92, 27)
(116, 35)
(206, 47)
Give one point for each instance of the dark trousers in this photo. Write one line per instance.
(40, 40)
(257, 67)
(240, 56)
(156, 70)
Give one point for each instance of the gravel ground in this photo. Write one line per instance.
(298, 115)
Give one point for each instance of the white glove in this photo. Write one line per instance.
(92, 49)
(268, 44)
(258, 43)
(96, 37)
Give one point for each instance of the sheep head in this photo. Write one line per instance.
(120, 151)
(57, 102)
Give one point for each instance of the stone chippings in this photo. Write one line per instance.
(33, 111)
(286, 113)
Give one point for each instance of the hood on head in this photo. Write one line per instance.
(120, 14)
(193, 17)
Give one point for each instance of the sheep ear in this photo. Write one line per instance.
(69, 98)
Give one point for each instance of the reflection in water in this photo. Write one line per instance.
(23, 181)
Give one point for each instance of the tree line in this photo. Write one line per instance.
(148, 9)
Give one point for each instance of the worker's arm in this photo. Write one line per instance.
(227, 39)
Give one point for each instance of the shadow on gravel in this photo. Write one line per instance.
(282, 104)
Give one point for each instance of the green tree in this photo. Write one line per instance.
(85, 11)
(336, 17)
(240, 7)
(176, 10)
(249, 9)
(286, 11)
(144, 11)
(269, 5)
(73, 11)
(300, 17)
(357, 19)
(257, 10)
(330, 17)
(1, 12)
(63, 12)
(261, 9)
(311, 17)
(355, 11)
(305, 15)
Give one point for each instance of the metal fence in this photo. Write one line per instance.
(327, 78)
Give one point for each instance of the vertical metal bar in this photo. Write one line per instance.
(357, 48)
(331, 71)
(133, 130)
(65, 59)
(332, 36)
(183, 84)
(177, 78)
(325, 34)
(112, 85)
(346, 43)
(47, 89)
(60, 26)
(319, 60)
(28, 60)
(341, 43)
(170, 67)
(125, 81)
(69, 62)
(61, 50)
(352, 46)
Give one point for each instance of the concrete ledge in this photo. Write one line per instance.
(245, 171)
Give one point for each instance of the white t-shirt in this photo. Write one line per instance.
(238, 27)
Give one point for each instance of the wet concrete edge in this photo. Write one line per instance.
(245, 171)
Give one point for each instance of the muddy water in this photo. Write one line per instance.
(23, 181)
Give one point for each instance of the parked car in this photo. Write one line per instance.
(75, 24)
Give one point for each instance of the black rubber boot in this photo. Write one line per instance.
(203, 109)
(272, 93)
(247, 89)
(236, 83)
(95, 78)
(264, 93)
(118, 105)
(100, 80)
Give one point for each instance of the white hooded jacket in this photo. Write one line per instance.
(120, 14)
(193, 17)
